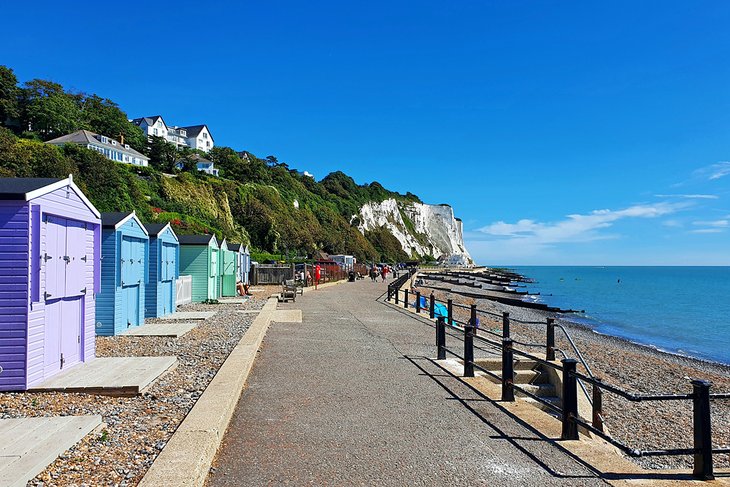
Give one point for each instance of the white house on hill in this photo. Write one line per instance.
(194, 136)
(110, 148)
(203, 165)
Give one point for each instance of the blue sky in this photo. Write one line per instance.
(561, 132)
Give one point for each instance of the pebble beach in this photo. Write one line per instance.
(631, 366)
(135, 429)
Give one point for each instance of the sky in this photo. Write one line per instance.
(562, 133)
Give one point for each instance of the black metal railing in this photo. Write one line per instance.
(504, 344)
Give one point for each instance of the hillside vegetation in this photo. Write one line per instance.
(258, 201)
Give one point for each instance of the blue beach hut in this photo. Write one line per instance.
(163, 271)
(124, 271)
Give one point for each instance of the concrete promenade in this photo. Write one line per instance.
(349, 396)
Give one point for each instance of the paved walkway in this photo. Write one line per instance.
(349, 396)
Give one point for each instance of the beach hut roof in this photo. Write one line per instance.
(26, 189)
(196, 239)
(154, 229)
(116, 219)
(234, 247)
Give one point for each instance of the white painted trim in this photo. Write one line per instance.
(36, 193)
(132, 215)
(168, 227)
(220, 246)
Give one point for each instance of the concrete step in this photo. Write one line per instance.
(551, 399)
(540, 390)
(496, 364)
(531, 377)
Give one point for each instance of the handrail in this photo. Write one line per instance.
(568, 411)
(577, 352)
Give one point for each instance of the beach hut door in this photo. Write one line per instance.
(132, 266)
(168, 277)
(65, 267)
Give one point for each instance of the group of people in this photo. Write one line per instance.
(383, 272)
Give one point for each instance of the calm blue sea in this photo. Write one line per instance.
(683, 310)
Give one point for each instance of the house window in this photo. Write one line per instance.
(205, 136)
(207, 143)
(155, 130)
(104, 140)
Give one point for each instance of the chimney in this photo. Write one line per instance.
(121, 138)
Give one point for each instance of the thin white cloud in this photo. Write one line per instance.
(689, 196)
(712, 223)
(714, 171)
(576, 227)
(708, 230)
(672, 223)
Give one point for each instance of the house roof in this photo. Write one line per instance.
(17, 188)
(86, 137)
(197, 158)
(26, 189)
(156, 229)
(148, 120)
(194, 130)
(195, 239)
(116, 219)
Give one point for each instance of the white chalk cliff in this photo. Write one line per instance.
(431, 229)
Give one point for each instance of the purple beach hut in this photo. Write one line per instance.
(50, 236)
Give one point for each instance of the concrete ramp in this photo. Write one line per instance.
(113, 376)
(172, 329)
(190, 315)
(234, 300)
(287, 316)
(29, 445)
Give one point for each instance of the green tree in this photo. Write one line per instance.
(163, 155)
(103, 116)
(48, 110)
(227, 160)
(9, 98)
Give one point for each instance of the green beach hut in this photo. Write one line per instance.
(199, 256)
(228, 269)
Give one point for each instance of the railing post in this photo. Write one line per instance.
(405, 298)
(440, 339)
(550, 340)
(597, 406)
(450, 316)
(432, 306)
(418, 301)
(468, 350)
(397, 295)
(508, 371)
(570, 400)
(473, 317)
(702, 430)
(505, 325)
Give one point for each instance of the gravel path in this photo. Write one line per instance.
(137, 428)
(634, 367)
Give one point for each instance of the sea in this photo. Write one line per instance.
(681, 310)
